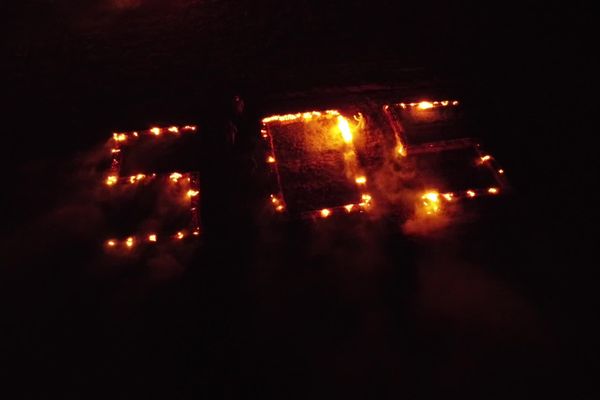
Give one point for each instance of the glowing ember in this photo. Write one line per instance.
(366, 198)
(111, 180)
(280, 208)
(173, 129)
(455, 103)
(500, 171)
(325, 213)
(471, 193)
(448, 196)
(189, 128)
(361, 180)
(180, 235)
(270, 159)
(345, 129)
(115, 151)
(431, 202)
(135, 134)
(129, 242)
(444, 103)
(196, 233)
(349, 207)
(152, 238)
(156, 131)
(493, 190)
(111, 243)
(400, 149)
(425, 105)
(175, 176)
(192, 193)
(485, 158)
(119, 137)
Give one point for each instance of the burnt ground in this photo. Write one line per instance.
(501, 304)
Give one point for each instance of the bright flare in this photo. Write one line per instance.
(345, 129)
(271, 159)
(152, 238)
(111, 243)
(431, 202)
(180, 235)
(173, 129)
(156, 131)
(129, 242)
(175, 176)
(325, 213)
(493, 190)
(192, 193)
(425, 105)
(111, 180)
(361, 180)
(471, 193)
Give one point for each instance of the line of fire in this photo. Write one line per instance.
(395, 160)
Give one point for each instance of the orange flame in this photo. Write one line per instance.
(111, 180)
(192, 193)
(119, 137)
(180, 235)
(325, 213)
(270, 159)
(345, 129)
(349, 207)
(425, 105)
(189, 128)
(431, 202)
(493, 190)
(111, 243)
(471, 193)
(361, 180)
(152, 237)
(175, 176)
(129, 242)
(157, 131)
(173, 129)
(500, 171)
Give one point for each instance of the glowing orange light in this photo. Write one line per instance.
(192, 193)
(455, 103)
(431, 201)
(402, 105)
(305, 115)
(132, 179)
(349, 207)
(485, 158)
(180, 235)
(345, 129)
(135, 134)
(152, 238)
(444, 103)
(120, 137)
(129, 242)
(156, 131)
(270, 159)
(400, 149)
(448, 196)
(115, 151)
(425, 105)
(366, 199)
(325, 213)
(111, 180)
(471, 193)
(173, 129)
(500, 171)
(189, 128)
(361, 180)
(111, 243)
(175, 176)
(279, 208)
(196, 233)
(493, 190)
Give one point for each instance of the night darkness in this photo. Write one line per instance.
(499, 305)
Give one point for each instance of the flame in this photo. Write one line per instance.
(361, 180)
(493, 190)
(345, 129)
(325, 213)
(152, 237)
(189, 128)
(135, 134)
(115, 151)
(129, 242)
(455, 103)
(366, 199)
(270, 159)
(280, 208)
(425, 105)
(448, 196)
(156, 131)
(471, 193)
(431, 202)
(111, 180)
(400, 149)
(349, 207)
(485, 158)
(175, 176)
(180, 235)
(119, 137)
(192, 193)
(173, 129)
(444, 102)
(306, 115)
(111, 243)
(500, 171)
(196, 233)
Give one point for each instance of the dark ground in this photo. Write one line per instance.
(500, 307)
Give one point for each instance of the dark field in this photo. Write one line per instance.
(499, 302)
